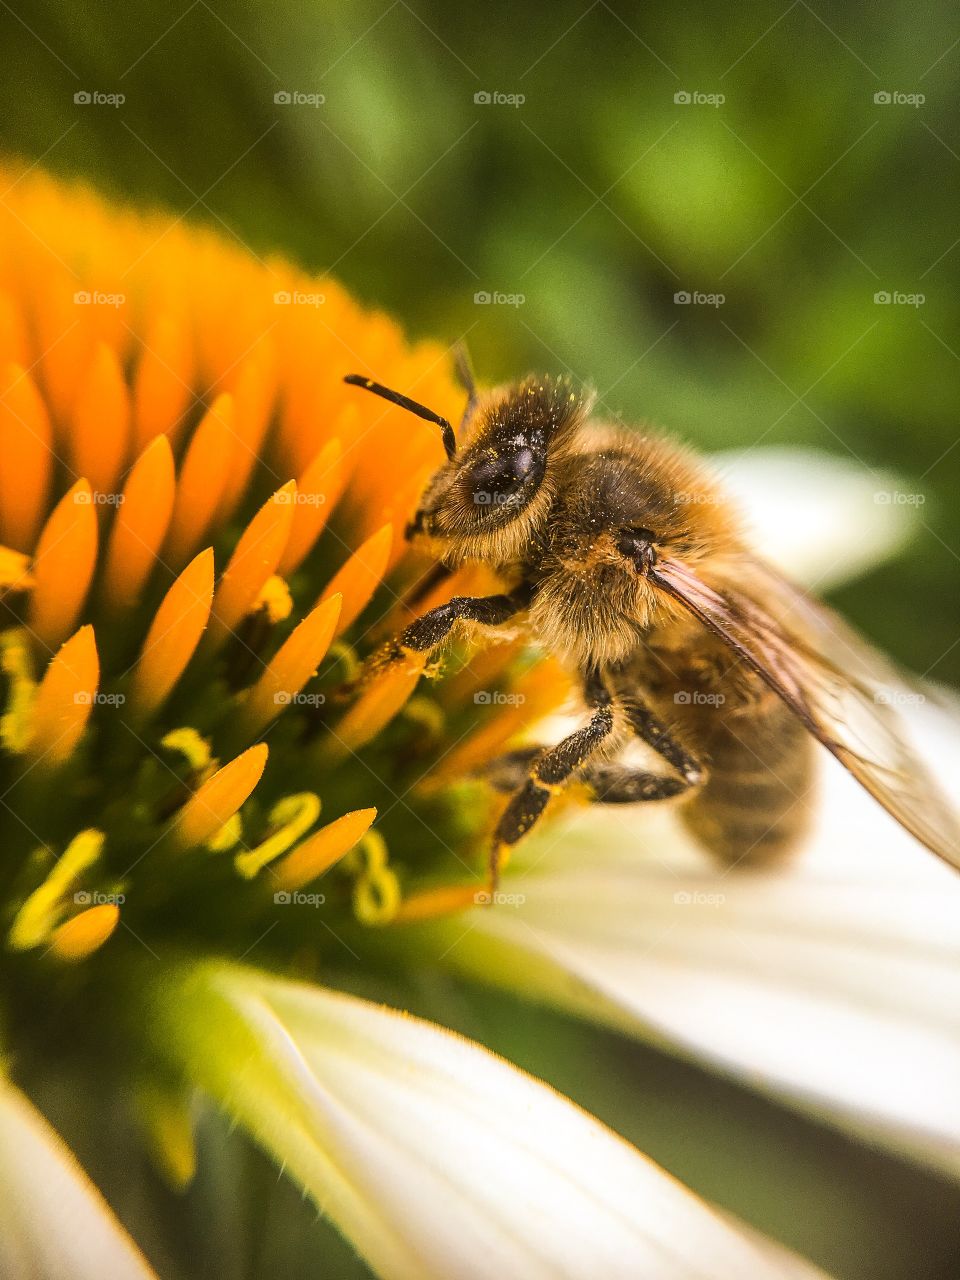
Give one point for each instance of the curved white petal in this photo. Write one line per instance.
(834, 981)
(53, 1221)
(821, 518)
(433, 1156)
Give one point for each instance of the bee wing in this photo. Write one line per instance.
(841, 688)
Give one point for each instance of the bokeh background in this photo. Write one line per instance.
(579, 165)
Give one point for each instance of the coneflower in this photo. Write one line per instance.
(202, 541)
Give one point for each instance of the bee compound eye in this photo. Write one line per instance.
(504, 478)
(637, 545)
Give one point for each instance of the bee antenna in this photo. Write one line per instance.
(396, 397)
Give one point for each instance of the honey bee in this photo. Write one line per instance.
(621, 555)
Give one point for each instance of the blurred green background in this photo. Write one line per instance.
(588, 206)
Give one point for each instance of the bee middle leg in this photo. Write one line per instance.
(609, 782)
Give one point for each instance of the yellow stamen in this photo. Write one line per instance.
(213, 804)
(63, 566)
(173, 636)
(360, 576)
(376, 706)
(26, 459)
(100, 427)
(140, 526)
(253, 562)
(202, 478)
(289, 820)
(274, 599)
(64, 700)
(536, 693)
(80, 936)
(289, 669)
(41, 913)
(253, 396)
(317, 492)
(443, 901)
(321, 851)
(161, 392)
(15, 572)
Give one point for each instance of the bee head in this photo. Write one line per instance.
(494, 490)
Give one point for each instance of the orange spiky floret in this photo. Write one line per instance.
(203, 532)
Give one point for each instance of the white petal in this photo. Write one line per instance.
(821, 518)
(834, 982)
(433, 1156)
(53, 1221)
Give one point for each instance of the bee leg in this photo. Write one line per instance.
(432, 628)
(548, 773)
(510, 771)
(656, 735)
(615, 783)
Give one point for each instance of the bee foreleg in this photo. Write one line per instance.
(432, 628)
